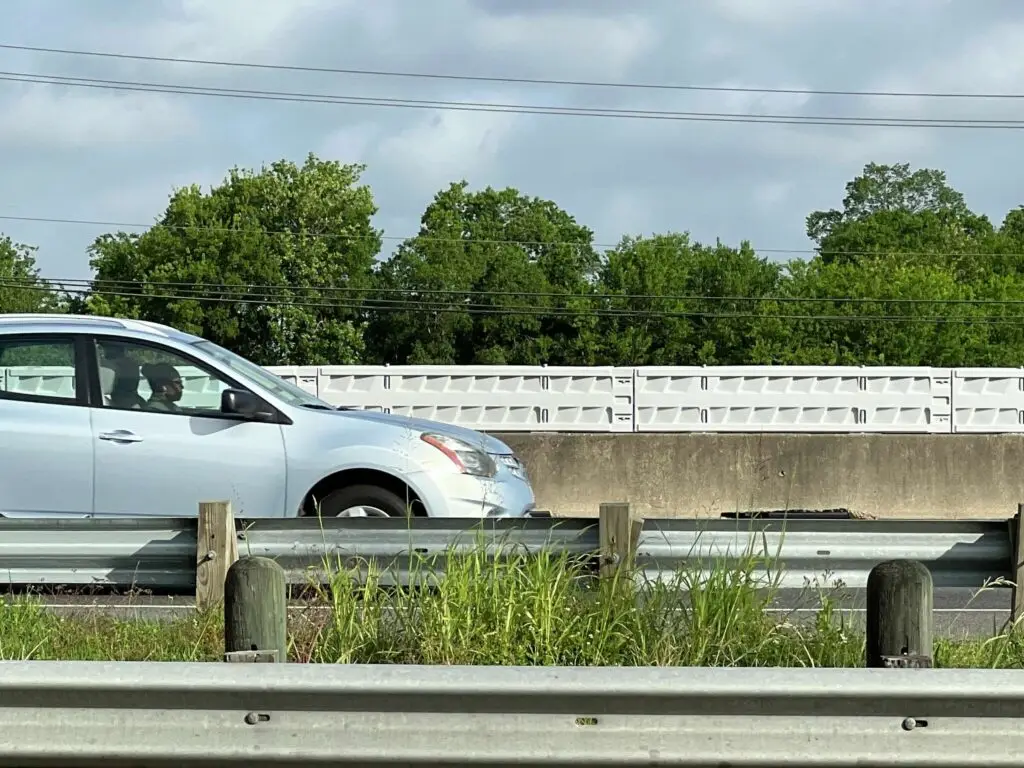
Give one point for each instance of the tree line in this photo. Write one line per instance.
(282, 265)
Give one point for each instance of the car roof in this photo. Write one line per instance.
(42, 323)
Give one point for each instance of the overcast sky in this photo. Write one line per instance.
(89, 154)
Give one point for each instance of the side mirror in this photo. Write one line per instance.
(238, 402)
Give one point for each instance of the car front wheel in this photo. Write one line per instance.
(366, 501)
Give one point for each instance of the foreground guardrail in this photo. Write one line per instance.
(161, 553)
(87, 714)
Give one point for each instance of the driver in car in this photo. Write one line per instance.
(166, 386)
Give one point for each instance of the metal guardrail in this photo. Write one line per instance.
(151, 553)
(959, 553)
(160, 553)
(88, 714)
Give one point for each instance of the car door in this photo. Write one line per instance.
(46, 444)
(163, 446)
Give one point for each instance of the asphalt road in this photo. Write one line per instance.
(958, 612)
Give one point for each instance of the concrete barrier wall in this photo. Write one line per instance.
(703, 475)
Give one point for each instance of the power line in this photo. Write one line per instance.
(420, 307)
(268, 290)
(313, 235)
(506, 79)
(519, 109)
(541, 313)
(467, 240)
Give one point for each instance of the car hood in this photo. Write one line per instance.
(480, 439)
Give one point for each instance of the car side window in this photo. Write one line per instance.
(38, 370)
(148, 378)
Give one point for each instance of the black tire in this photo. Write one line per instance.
(387, 501)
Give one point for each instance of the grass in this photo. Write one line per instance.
(514, 609)
(28, 631)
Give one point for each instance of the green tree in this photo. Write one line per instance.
(915, 216)
(1002, 253)
(670, 301)
(273, 264)
(492, 277)
(906, 274)
(882, 188)
(21, 287)
(871, 313)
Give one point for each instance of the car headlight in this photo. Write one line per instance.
(469, 459)
(514, 465)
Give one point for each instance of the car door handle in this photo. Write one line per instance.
(120, 436)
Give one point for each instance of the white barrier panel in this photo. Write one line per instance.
(47, 381)
(59, 381)
(792, 399)
(988, 400)
(489, 397)
(648, 399)
(304, 377)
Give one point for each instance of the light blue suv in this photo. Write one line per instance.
(107, 417)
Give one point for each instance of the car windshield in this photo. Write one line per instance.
(285, 390)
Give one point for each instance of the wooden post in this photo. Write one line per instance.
(618, 533)
(255, 611)
(899, 615)
(1017, 563)
(216, 552)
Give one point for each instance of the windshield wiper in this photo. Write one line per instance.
(317, 407)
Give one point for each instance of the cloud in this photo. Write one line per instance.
(772, 194)
(349, 143)
(732, 181)
(233, 29)
(140, 201)
(592, 46)
(992, 62)
(445, 146)
(49, 117)
(778, 14)
(740, 101)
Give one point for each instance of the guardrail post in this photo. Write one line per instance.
(1017, 564)
(255, 611)
(899, 615)
(618, 533)
(216, 551)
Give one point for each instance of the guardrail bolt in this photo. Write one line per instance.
(909, 724)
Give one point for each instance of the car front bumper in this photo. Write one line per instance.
(505, 495)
